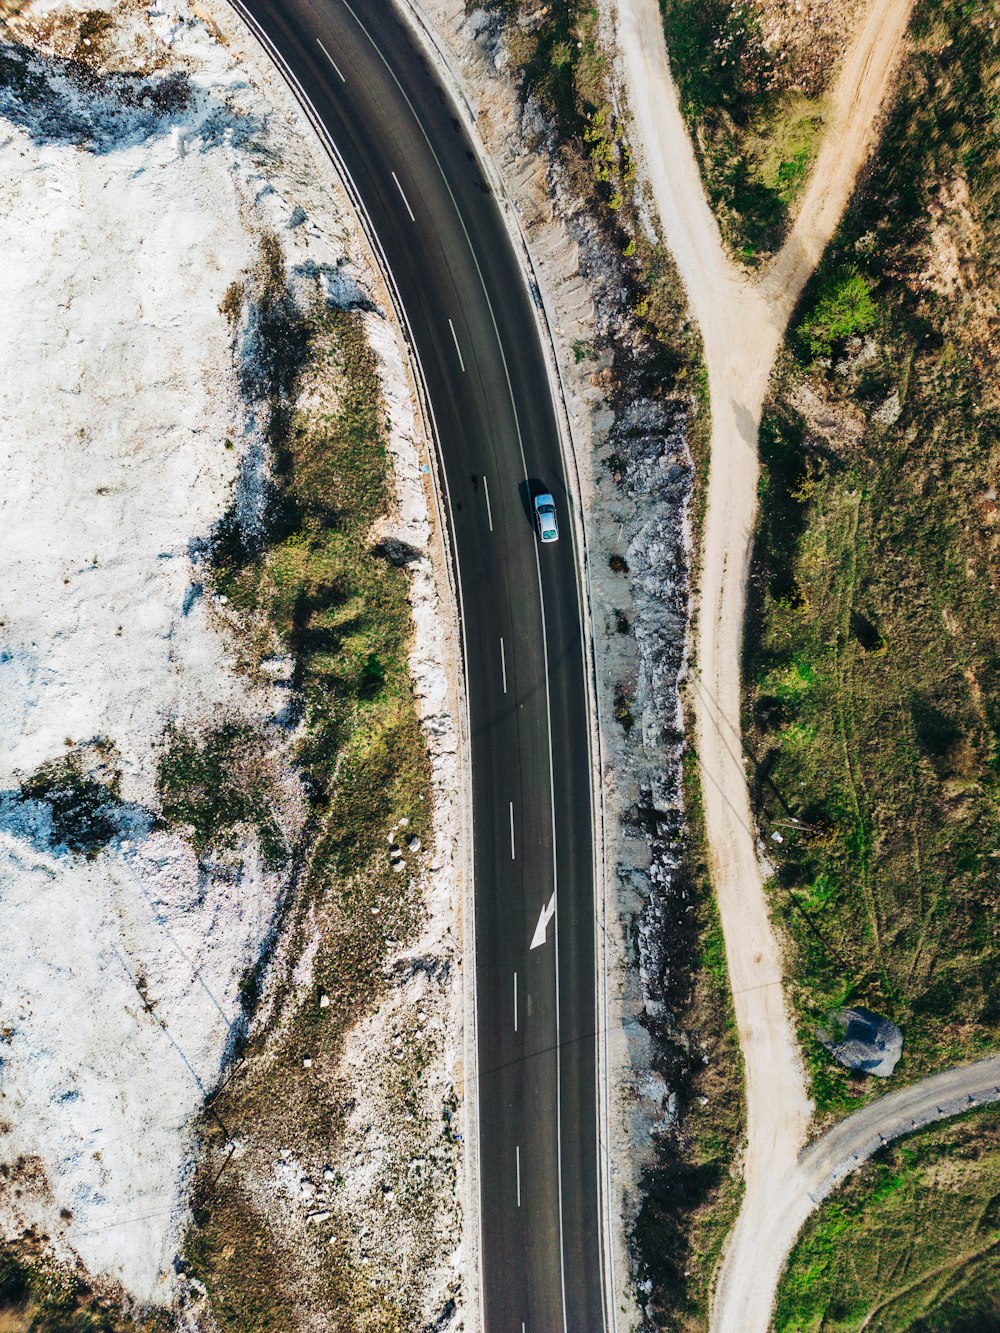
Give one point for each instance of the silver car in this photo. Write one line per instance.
(545, 518)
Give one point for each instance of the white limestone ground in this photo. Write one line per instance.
(123, 221)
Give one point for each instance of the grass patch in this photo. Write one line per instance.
(909, 1244)
(755, 135)
(218, 784)
(873, 658)
(312, 586)
(40, 1296)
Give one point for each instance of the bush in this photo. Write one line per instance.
(844, 308)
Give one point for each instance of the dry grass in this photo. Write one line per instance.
(312, 587)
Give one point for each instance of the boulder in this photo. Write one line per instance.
(863, 1041)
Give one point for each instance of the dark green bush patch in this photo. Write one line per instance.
(843, 308)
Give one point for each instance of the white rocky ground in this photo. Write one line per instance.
(123, 221)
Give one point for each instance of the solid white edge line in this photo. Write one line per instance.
(461, 359)
(503, 664)
(331, 59)
(517, 1152)
(512, 856)
(423, 29)
(486, 492)
(515, 1001)
(404, 198)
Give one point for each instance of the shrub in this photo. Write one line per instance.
(843, 308)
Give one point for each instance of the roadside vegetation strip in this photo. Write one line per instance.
(742, 325)
(315, 594)
(911, 1242)
(692, 1192)
(872, 656)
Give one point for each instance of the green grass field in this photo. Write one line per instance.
(911, 1244)
(873, 656)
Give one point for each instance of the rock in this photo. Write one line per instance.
(414, 844)
(324, 1001)
(863, 1041)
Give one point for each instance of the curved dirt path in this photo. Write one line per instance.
(742, 324)
(831, 1158)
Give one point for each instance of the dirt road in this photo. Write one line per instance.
(838, 1152)
(742, 324)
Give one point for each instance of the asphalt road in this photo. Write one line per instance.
(473, 328)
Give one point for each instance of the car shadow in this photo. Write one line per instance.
(527, 491)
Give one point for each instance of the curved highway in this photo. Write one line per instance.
(472, 326)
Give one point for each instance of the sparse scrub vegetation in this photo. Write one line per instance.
(313, 588)
(873, 658)
(910, 1244)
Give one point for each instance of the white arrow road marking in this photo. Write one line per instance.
(545, 916)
